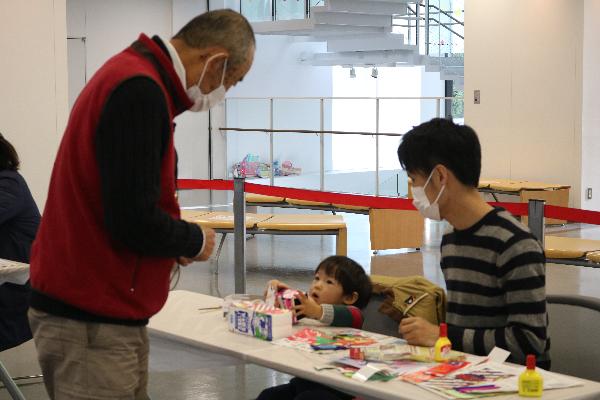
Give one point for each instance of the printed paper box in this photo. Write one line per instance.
(259, 321)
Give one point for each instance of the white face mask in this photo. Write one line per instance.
(421, 202)
(204, 102)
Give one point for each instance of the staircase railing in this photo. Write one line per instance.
(424, 18)
(420, 17)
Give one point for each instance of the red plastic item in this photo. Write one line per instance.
(357, 353)
(530, 361)
(443, 330)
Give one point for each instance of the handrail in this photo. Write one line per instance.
(343, 98)
(445, 26)
(310, 131)
(428, 17)
(321, 132)
(445, 13)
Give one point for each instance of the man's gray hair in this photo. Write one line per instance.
(225, 28)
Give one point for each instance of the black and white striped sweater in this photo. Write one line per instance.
(495, 278)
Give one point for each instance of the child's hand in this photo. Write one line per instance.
(308, 307)
(419, 332)
(276, 285)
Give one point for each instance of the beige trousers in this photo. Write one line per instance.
(86, 360)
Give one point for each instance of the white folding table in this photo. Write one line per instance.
(182, 319)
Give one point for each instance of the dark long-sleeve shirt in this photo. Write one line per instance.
(19, 217)
(19, 221)
(131, 138)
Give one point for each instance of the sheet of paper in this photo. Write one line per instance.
(366, 372)
(13, 272)
(498, 355)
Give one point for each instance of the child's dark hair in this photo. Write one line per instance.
(350, 275)
(441, 141)
(9, 158)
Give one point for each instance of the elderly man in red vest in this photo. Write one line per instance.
(111, 230)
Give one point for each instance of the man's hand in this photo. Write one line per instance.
(419, 332)
(308, 307)
(209, 244)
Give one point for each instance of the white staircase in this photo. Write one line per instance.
(361, 33)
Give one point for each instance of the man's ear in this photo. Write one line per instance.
(350, 299)
(442, 174)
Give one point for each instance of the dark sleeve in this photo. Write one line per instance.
(130, 141)
(10, 199)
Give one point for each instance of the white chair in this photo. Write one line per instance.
(574, 329)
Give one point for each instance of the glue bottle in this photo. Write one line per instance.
(531, 383)
(442, 345)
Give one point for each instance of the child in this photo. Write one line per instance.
(493, 266)
(340, 288)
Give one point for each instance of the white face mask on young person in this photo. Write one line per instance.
(204, 102)
(421, 202)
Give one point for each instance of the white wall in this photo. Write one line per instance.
(112, 25)
(590, 173)
(526, 58)
(33, 77)
(277, 73)
(191, 133)
(109, 26)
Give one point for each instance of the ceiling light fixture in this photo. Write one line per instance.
(352, 73)
(374, 72)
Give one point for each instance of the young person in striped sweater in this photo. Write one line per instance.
(339, 290)
(493, 266)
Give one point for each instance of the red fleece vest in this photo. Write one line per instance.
(73, 258)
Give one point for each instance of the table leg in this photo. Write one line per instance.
(10, 385)
(342, 242)
(224, 235)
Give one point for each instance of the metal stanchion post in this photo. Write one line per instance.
(239, 234)
(536, 219)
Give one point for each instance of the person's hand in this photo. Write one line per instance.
(184, 261)
(276, 285)
(209, 244)
(308, 307)
(419, 332)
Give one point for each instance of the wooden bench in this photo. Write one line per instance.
(280, 224)
(568, 250)
(553, 194)
(389, 229)
(259, 200)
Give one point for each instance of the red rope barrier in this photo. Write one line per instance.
(572, 214)
(215, 184)
(518, 209)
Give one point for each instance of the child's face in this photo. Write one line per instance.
(326, 290)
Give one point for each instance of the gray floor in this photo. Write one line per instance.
(179, 371)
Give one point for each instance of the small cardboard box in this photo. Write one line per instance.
(267, 323)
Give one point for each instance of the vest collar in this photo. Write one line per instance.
(181, 101)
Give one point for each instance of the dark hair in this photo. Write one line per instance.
(350, 275)
(9, 159)
(225, 28)
(441, 141)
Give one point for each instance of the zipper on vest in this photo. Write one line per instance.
(134, 275)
